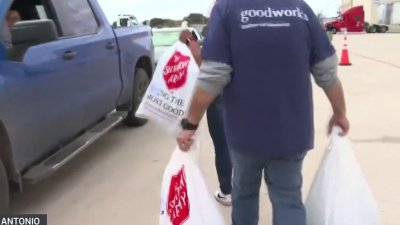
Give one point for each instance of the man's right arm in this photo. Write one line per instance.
(335, 95)
(326, 77)
(324, 67)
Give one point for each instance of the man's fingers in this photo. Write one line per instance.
(342, 123)
(184, 144)
(345, 130)
(185, 140)
(185, 35)
(185, 147)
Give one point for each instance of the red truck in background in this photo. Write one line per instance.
(353, 19)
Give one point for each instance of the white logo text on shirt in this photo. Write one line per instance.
(246, 15)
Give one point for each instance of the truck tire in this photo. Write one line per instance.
(4, 189)
(382, 29)
(372, 29)
(366, 27)
(333, 30)
(140, 84)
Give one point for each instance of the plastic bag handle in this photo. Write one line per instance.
(336, 130)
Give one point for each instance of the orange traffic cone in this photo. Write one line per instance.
(344, 60)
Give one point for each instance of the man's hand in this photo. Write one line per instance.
(336, 97)
(342, 122)
(185, 36)
(185, 139)
(196, 51)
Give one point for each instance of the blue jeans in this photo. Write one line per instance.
(284, 180)
(222, 157)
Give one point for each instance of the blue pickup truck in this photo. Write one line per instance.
(66, 78)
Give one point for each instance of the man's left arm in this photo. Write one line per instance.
(215, 72)
(213, 78)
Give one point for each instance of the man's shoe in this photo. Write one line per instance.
(223, 199)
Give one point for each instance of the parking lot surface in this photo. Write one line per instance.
(117, 180)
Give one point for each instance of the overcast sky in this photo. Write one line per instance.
(177, 9)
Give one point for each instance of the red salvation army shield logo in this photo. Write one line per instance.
(178, 205)
(176, 71)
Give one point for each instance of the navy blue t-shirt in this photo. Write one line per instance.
(271, 46)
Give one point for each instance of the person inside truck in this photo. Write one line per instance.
(18, 41)
(20, 10)
(13, 17)
(26, 9)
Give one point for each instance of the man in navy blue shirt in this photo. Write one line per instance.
(259, 54)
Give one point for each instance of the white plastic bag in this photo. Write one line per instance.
(340, 194)
(169, 94)
(185, 199)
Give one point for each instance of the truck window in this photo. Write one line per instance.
(35, 26)
(123, 22)
(75, 17)
(26, 9)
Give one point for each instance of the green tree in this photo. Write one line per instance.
(171, 23)
(156, 22)
(196, 18)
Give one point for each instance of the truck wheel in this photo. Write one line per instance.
(372, 29)
(334, 31)
(140, 84)
(382, 29)
(4, 189)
